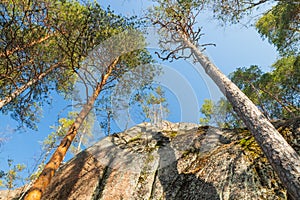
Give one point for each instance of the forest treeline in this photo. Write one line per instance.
(48, 46)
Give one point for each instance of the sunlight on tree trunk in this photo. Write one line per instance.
(21, 89)
(39, 186)
(176, 21)
(39, 41)
(283, 158)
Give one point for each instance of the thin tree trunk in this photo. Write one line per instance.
(36, 191)
(10, 52)
(108, 122)
(80, 142)
(283, 158)
(281, 103)
(21, 89)
(161, 112)
(265, 112)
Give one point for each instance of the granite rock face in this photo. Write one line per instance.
(173, 161)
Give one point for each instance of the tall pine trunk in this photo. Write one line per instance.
(283, 158)
(6, 100)
(39, 186)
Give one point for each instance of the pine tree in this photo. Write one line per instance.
(176, 21)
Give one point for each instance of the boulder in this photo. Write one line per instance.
(175, 161)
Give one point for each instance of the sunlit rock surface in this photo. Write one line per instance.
(173, 161)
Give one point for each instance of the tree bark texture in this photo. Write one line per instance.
(12, 51)
(6, 100)
(39, 186)
(283, 158)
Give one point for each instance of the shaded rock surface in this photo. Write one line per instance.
(173, 161)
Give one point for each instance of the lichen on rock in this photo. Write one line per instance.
(184, 162)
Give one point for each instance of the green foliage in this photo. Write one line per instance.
(36, 174)
(37, 35)
(276, 93)
(133, 71)
(280, 25)
(9, 178)
(207, 110)
(132, 80)
(234, 11)
(82, 137)
(219, 114)
(29, 49)
(153, 103)
(85, 133)
(177, 20)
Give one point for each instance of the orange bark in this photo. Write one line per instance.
(21, 89)
(36, 191)
(10, 52)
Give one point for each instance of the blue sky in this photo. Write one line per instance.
(185, 82)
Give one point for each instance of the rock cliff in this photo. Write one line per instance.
(173, 161)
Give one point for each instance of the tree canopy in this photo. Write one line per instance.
(276, 93)
(43, 45)
(279, 23)
(281, 26)
(177, 20)
(98, 61)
